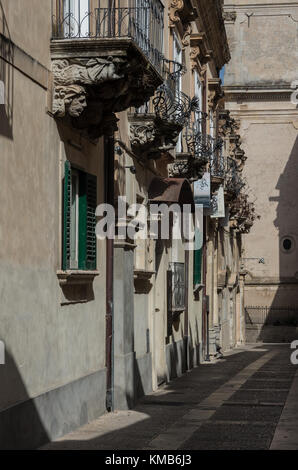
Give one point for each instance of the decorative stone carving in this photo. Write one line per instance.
(187, 167)
(152, 137)
(87, 72)
(174, 8)
(194, 56)
(230, 16)
(215, 92)
(200, 55)
(87, 91)
(71, 99)
(187, 33)
(142, 134)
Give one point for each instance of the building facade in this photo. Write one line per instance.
(119, 105)
(260, 83)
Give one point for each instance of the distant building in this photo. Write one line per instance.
(258, 87)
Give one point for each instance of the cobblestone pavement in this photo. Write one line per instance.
(239, 402)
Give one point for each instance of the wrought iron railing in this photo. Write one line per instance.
(234, 182)
(263, 315)
(168, 103)
(143, 21)
(172, 106)
(198, 143)
(217, 161)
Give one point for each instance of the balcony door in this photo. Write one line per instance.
(199, 96)
(76, 18)
(177, 57)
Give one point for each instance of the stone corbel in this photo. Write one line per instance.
(200, 53)
(142, 135)
(187, 33)
(215, 92)
(174, 8)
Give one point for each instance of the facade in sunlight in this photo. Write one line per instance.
(104, 105)
(260, 83)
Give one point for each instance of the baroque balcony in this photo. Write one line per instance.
(233, 181)
(242, 214)
(217, 162)
(201, 150)
(155, 127)
(104, 60)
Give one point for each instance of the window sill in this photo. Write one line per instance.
(143, 274)
(71, 277)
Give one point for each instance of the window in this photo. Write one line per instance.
(178, 286)
(176, 294)
(79, 205)
(177, 57)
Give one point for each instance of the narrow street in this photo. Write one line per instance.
(247, 400)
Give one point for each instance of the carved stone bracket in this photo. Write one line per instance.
(187, 33)
(200, 54)
(90, 86)
(186, 166)
(174, 8)
(151, 137)
(215, 92)
(181, 11)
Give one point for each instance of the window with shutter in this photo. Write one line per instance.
(79, 221)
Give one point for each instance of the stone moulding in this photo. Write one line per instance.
(215, 92)
(200, 54)
(94, 79)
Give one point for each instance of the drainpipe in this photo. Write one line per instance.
(109, 199)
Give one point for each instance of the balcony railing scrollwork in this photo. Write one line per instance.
(234, 182)
(156, 126)
(242, 214)
(142, 21)
(217, 160)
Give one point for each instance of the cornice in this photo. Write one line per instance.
(258, 6)
(257, 94)
(210, 14)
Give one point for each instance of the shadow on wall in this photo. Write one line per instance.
(282, 316)
(6, 78)
(20, 423)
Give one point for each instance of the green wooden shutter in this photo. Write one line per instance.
(66, 216)
(87, 221)
(91, 222)
(197, 261)
(197, 272)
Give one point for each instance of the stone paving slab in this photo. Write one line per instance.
(199, 409)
